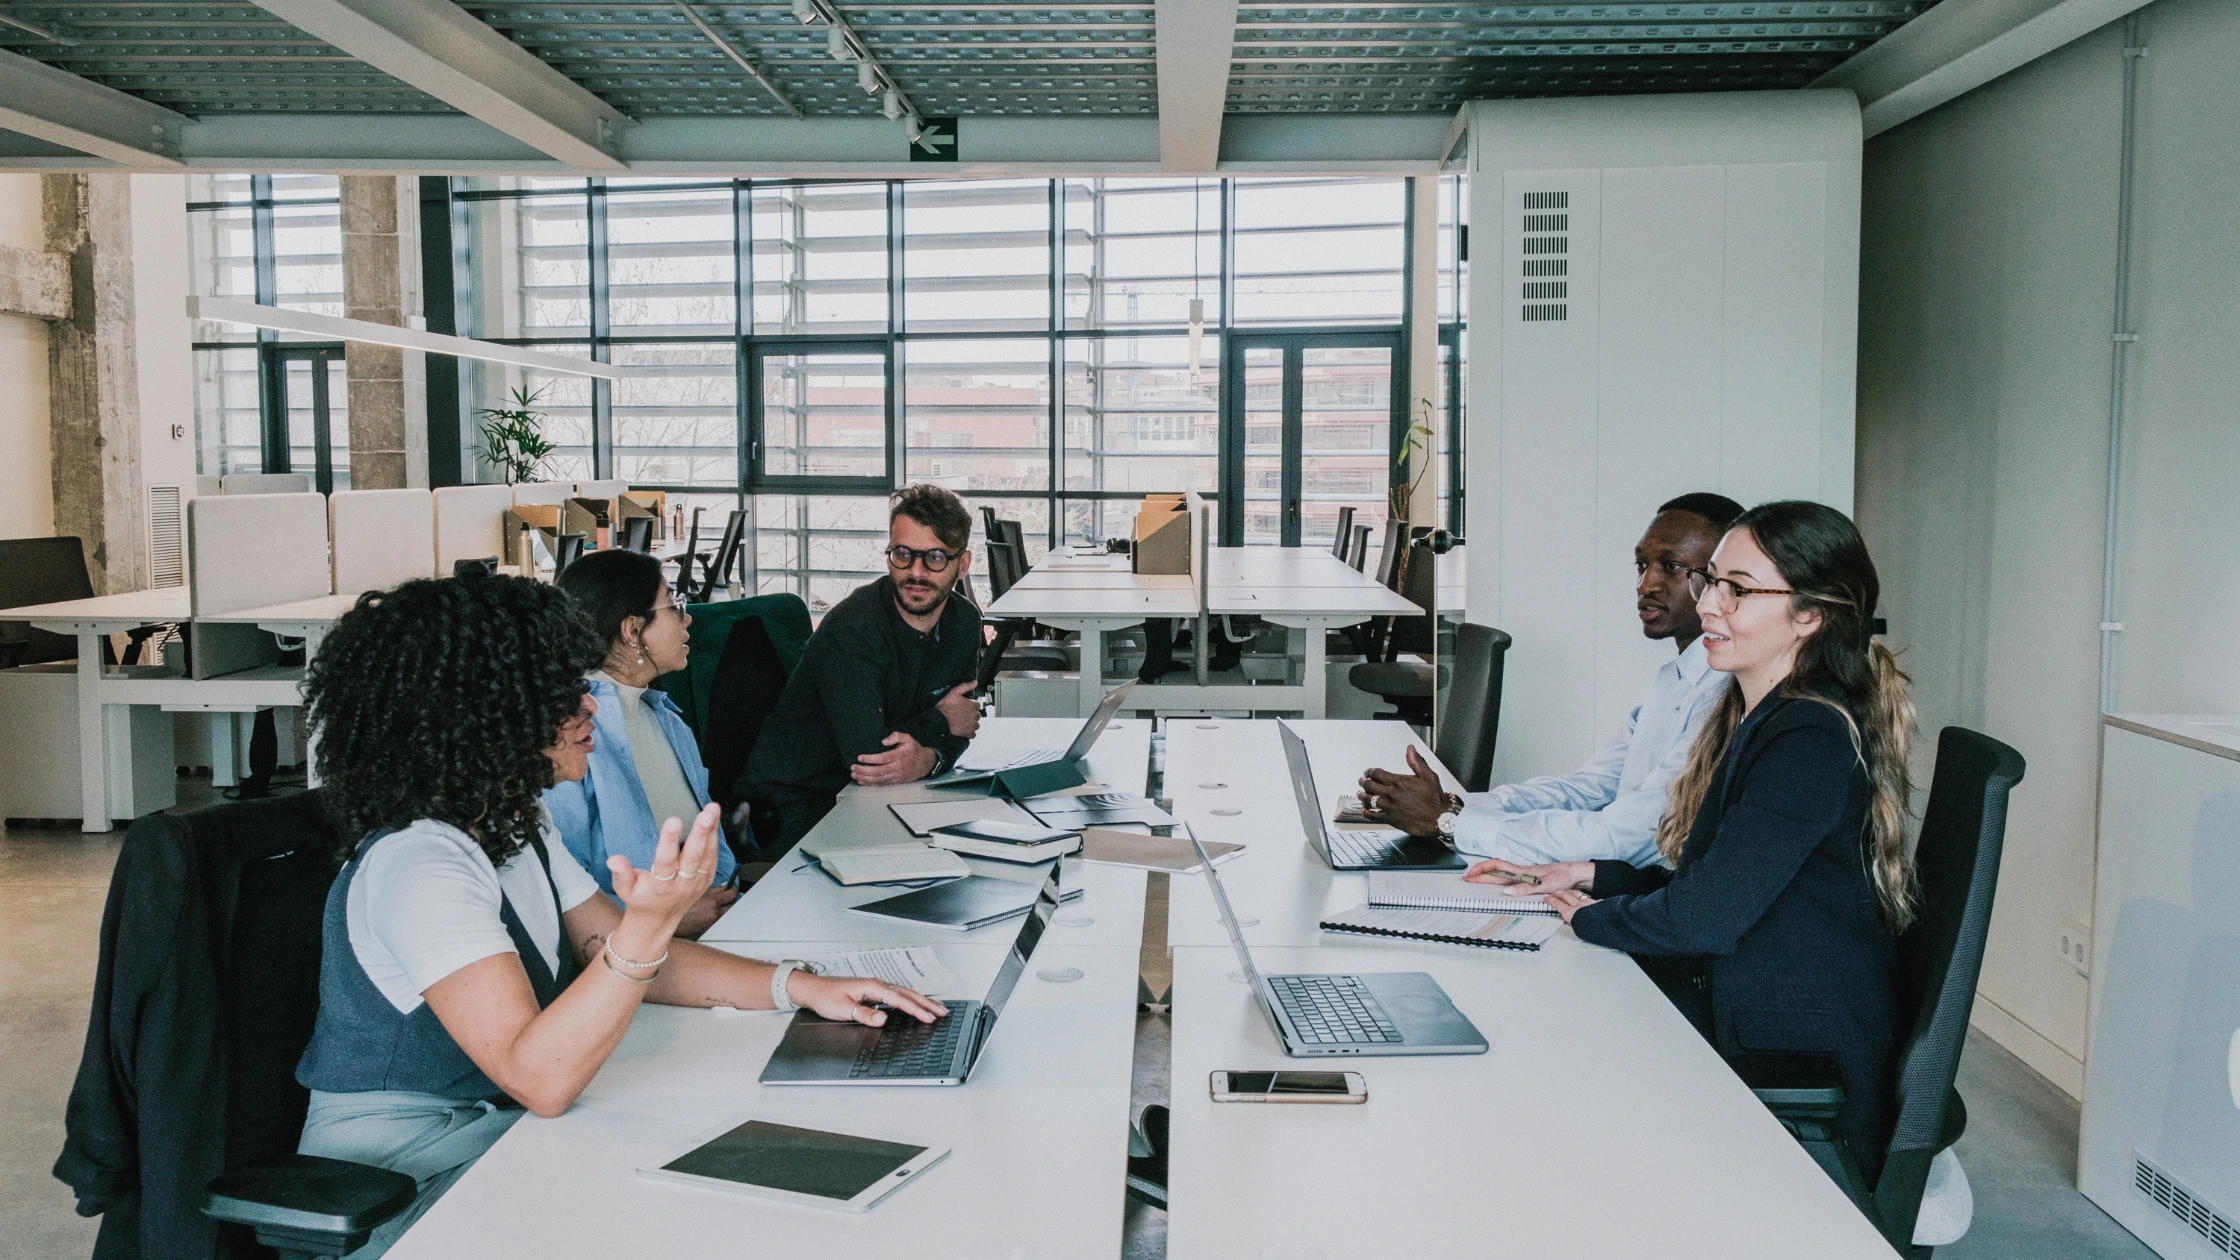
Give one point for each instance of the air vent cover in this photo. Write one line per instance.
(167, 553)
(1546, 247)
(2190, 1211)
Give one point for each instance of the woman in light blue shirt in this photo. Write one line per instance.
(645, 764)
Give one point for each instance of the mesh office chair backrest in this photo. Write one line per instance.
(726, 557)
(41, 571)
(570, 551)
(1014, 534)
(1003, 567)
(637, 534)
(1388, 560)
(1357, 554)
(990, 530)
(1470, 719)
(1343, 534)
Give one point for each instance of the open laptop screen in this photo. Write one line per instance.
(1022, 945)
(1093, 729)
(1303, 790)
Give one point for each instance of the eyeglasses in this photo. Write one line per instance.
(901, 558)
(674, 603)
(1728, 593)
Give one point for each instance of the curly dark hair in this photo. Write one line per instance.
(935, 508)
(438, 700)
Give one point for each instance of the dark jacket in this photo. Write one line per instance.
(1768, 935)
(865, 674)
(204, 994)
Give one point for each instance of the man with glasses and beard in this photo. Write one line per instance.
(882, 692)
(1610, 807)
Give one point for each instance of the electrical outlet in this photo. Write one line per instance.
(2074, 944)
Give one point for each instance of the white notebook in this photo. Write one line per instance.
(1486, 931)
(886, 863)
(1436, 890)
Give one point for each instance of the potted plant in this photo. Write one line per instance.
(1415, 461)
(513, 437)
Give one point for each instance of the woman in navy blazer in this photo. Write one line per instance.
(645, 766)
(1776, 928)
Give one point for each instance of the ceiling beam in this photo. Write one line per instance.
(312, 324)
(1196, 40)
(441, 49)
(60, 108)
(1955, 48)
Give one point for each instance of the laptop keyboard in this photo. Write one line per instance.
(1333, 1010)
(906, 1047)
(1355, 849)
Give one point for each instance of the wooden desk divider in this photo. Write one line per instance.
(1162, 535)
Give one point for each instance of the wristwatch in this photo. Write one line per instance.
(1447, 818)
(779, 998)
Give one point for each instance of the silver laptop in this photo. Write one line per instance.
(970, 770)
(1373, 1013)
(820, 1051)
(1357, 850)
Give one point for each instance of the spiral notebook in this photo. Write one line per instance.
(1438, 890)
(1448, 927)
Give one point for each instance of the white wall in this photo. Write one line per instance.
(26, 483)
(1987, 280)
(1707, 345)
(162, 333)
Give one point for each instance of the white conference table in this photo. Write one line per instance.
(1599, 1124)
(800, 902)
(1038, 1137)
(1305, 589)
(305, 619)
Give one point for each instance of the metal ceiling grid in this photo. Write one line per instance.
(206, 58)
(1417, 58)
(647, 59)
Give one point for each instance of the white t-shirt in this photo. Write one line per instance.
(426, 903)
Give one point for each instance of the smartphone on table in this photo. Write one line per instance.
(1288, 1087)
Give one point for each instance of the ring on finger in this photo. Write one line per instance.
(665, 878)
(692, 874)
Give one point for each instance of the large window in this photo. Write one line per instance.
(1026, 343)
(268, 401)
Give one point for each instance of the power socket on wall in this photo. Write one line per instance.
(2074, 944)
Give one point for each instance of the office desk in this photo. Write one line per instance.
(792, 903)
(305, 619)
(1071, 599)
(1280, 886)
(1038, 1138)
(92, 620)
(1599, 1125)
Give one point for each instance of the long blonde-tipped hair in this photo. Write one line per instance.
(1824, 561)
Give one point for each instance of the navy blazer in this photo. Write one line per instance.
(1769, 935)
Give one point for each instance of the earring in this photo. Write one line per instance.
(641, 656)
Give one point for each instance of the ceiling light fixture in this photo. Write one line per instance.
(912, 128)
(805, 11)
(891, 105)
(836, 43)
(867, 77)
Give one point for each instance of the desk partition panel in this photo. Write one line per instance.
(469, 524)
(381, 538)
(544, 493)
(266, 483)
(247, 551)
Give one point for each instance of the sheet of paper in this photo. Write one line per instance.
(910, 967)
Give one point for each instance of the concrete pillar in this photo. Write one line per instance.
(381, 284)
(93, 379)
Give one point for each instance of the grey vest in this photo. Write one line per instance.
(362, 1042)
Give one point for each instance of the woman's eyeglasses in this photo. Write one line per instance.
(900, 558)
(674, 602)
(1726, 592)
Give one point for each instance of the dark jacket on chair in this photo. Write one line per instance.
(1769, 936)
(195, 1009)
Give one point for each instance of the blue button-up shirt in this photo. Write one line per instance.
(607, 811)
(1609, 808)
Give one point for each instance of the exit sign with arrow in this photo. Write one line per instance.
(937, 143)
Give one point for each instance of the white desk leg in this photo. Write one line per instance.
(222, 769)
(1318, 673)
(93, 743)
(1092, 669)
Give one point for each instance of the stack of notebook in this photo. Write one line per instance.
(1434, 906)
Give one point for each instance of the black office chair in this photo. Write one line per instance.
(991, 530)
(637, 534)
(690, 556)
(48, 571)
(188, 1079)
(1408, 686)
(715, 572)
(1472, 717)
(1939, 957)
(487, 566)
(567, 552)
(1357, 551)
(1343, 534)
(1005, 565)
(741, 696)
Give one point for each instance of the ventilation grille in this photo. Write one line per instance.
(1545, 245)
(2190, 1211)
(167, 553)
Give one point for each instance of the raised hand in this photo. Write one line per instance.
(905, 761)
(683, 866)
(1412, 802)
(961, 709)
(857, 998)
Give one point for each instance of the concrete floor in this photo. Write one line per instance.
(2020, 1150)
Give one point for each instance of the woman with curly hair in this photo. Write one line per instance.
(645, 764)
(470, 967)
(1775, 931)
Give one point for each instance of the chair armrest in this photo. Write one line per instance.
(1793, 1086)
(305, 1203)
